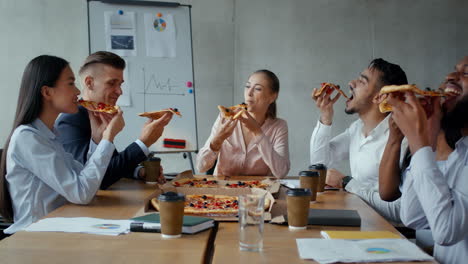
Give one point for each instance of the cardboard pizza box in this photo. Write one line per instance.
(273, 184)
(214, 191)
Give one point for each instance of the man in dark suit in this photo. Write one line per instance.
(101, 77)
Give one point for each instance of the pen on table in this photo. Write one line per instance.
(145, 227)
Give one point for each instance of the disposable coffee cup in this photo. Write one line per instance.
(322, 170)
(171, 212)
(152, 169)
(310, 180)
(298, 207)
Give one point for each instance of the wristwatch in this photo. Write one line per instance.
(345, 181)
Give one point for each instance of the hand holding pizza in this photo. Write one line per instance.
(324, 102)
(99, 122)
(153, 129)
(223, 131)
(250, 123)
(395, 135)
(116, 125)
(412, 120)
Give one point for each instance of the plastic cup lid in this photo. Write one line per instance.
(309, 173)
(299, 192)
(318, 166)
(171, 197)
(154, 159)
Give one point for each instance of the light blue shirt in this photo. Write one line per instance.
(42, 176)
(435, 195)
(144, 148)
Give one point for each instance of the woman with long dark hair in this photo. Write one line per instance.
(257, 142)
(37, 175)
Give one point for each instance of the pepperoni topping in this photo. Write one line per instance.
(101, 105)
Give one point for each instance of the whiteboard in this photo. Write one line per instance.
(153, 83)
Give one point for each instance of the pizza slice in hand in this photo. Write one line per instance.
(400, 90)
(232, 112)
(326, 86)
(98, 107)
(158, 114)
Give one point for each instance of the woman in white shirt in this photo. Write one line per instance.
(37, 175)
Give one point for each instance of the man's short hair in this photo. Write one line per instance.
(103, 57)
(392, 74)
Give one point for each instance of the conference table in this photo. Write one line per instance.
(220, 244)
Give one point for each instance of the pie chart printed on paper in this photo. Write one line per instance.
(378, 250)
(106, 226)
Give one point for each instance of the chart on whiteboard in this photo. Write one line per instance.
(158, 85)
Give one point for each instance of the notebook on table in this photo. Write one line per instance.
(331, 217)
(191, 225)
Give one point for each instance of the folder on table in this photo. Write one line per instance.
(356, 235)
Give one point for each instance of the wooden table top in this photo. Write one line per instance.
(125, 199)
(279, 243)
(122, 201)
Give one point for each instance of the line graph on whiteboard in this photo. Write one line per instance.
(155, 85)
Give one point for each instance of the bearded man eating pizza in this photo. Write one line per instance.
(363, 142)
(101, 77)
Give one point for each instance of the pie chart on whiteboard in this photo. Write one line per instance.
(159, 24)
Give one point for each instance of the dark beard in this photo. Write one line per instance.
(350, 111)
(454, 121)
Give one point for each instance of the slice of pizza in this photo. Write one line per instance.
(232, 112)
(158, 114)
(385, 107)
(326, 85)
(98, 107)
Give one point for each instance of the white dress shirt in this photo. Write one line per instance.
(364, 154)
(42, 176)
(435, 195)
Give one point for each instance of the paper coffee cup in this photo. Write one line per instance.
(171, 212)
(310, 180)
(298, 207)
(152, 169)
(322, 170)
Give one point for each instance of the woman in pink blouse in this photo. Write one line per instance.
(254, 144)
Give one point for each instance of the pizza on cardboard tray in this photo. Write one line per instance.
(210, 205)
(211, 183)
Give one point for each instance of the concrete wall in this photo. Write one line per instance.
(308, 42)
(305, 42)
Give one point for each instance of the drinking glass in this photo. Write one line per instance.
(251, 208)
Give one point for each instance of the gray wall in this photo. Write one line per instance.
(29, 28)
(308, 42)
(304, 41)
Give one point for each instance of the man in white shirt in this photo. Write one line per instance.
(364, 141)
(435, 195)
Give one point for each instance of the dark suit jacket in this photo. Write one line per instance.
(75, 133)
